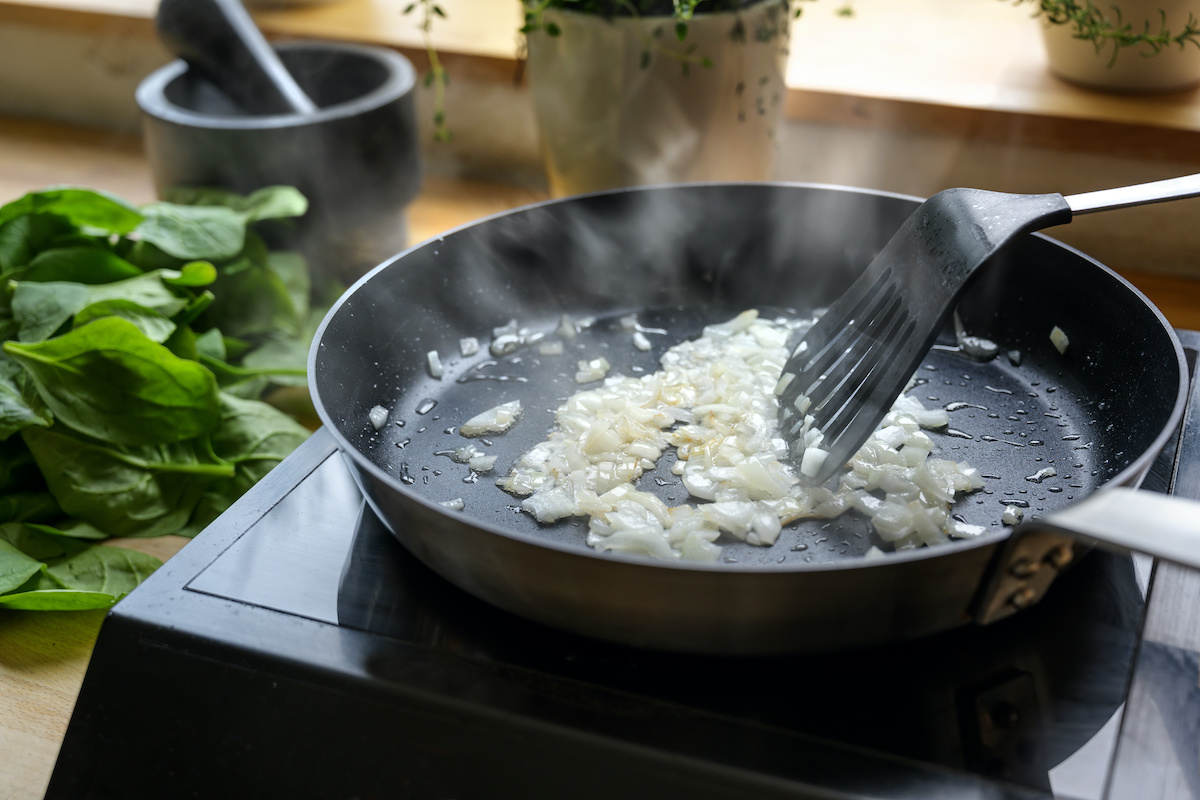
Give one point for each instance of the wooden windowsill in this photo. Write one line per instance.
(917, 63)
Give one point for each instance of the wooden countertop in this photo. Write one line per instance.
(43, 655)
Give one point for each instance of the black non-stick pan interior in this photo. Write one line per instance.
(682, 257)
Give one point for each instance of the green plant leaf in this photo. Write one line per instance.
(269, 202)
(194, 274)
(79, 265)
(154, 326)
(28, 507)
(83, 207)
(146, 290)
(40, 309)
(71, 529)
(20, 404)
(51, 599)
(253, 436)
(125, 491)
(22, 238)
(114, 571)
(194, 233)
(16, 568)
(107, 380)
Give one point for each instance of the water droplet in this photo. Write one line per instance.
(958, 434)
(961, 405)
(998, 391)
(403, 443)
(405, 477)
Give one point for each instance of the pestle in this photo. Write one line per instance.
(219, 39)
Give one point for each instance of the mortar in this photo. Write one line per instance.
(356, 158)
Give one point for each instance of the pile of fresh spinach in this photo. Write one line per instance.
(137, 345)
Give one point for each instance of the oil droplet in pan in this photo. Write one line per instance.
(426, 405)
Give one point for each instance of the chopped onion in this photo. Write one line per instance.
(494, 420)
(1059, 340)
(714, 401)
(591, 371)
(378, 416)
(456, 504)
(1013, 515)
(468, 346)
(435, 364)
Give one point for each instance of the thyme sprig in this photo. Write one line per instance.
(437, 77)
(1092, 23)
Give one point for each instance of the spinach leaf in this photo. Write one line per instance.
(22, 238)
(154, 326)
(51, 598)
(83, 207)
(107, 380)
(125, 491)
(254, 437)
(80, 265)
(71, 529)
(28, 507)
(193, 274)
(16, 567)
(20, 404)
(269, 202)
(115, 571)
(193, 233)
(147, 290)
(40, 309)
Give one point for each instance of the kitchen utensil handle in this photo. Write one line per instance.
(1137, 195)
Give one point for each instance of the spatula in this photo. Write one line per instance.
(858, 357)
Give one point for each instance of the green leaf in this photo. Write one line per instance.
(21, 239)
(38, 544)
(194, 275)
(114, 571)
(146, 290)
(16, 567)
(211, 344)
(28, 507)
(125, 491)
(20, 404)
(269, 202)
(72, 529)
(194, 233)
(79, 265)
(154, 326)
(107, 380)
(40, 309)
(81, 206)
(56, 600)
(254, 437)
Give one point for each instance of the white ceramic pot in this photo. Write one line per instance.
(610, 115)
(1172, 69)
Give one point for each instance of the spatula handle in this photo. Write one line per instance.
(1137, 195)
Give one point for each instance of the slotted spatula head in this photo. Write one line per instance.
(854, 362)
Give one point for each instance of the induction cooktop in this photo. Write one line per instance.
(295, 649)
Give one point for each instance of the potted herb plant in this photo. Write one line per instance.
(630, 92)
(1123, 45)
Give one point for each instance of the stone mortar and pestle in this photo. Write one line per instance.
(337, 121)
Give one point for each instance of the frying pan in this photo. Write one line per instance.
(680, 257)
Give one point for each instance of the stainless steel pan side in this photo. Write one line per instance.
(681, 257)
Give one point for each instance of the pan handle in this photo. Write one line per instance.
(1132, 520)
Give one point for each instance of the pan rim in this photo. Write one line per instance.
(1131, 475)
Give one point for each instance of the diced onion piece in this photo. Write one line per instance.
(468, 346)
(378, 416)
(640, 341)
(552, 348)
(1013, 515)
(456, 504)
(494, 420)
(591, 371)
(1059, 340)
(435, 364)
